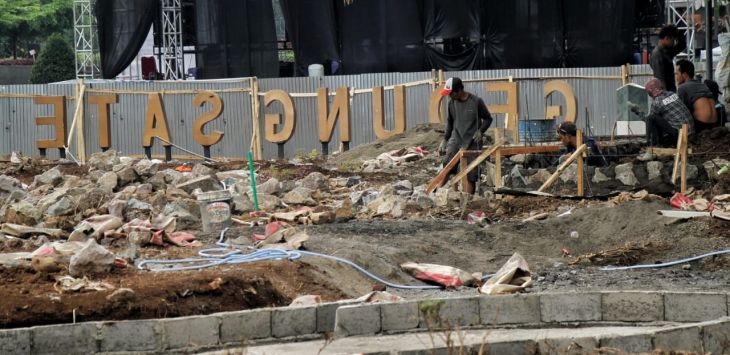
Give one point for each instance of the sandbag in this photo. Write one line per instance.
(443, 275)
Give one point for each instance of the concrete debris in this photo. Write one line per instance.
(71, 284)
(300, 196)
(146, 167)
(306, 300)
(204, 183)
(103, 161)
(514, 276)
(109, 181)
(271, 187)
(125, 174)
(22, 231)
(52, 177)
(92, 259)
(403, 188)
(654, 169)
(625, 174)
(316, 181)
(95, 227)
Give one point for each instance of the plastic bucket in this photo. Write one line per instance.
(215, 210)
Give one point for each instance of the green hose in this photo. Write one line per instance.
(253, 182)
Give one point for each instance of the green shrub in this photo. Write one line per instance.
(55, 62)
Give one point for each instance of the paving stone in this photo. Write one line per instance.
(72, 338)
(399, 316)
(326, 315)
(566, 346)
(357, 320)
(131, 336)
(238, 327)
(15, 341)
(191, 332)
(716, 337)
(633, 306)
(679, 339)
(570, 307)
(293, 321)
(461, 311)
(694, 307)
(509, 309)
(631, 344)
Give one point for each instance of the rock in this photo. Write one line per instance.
(175, 177)
(239, 175)
(518, 158)
(600, 177)
(143, 190)
(108, 181)
(92, 199)
(131, 253)
(385, 205)
(241, 203)
(315, 181)
(205, 183)
(539, 177)
(271, 187)
(344, 213)
(403, 188)
(136, 204)
(104, 161)
(122, 296)
(516, 175)
(95, 175)
(570, 174)
(185, 211)
(349, 181)
(158, 181)
(50, 177)
(125, 174)
(300, 196)
(287, 185)
(173, 193)
(654, 169)
(267, 202)
(202, 170)
(146, 167)
(8, 185)
(61, 207)
(447, 197)
(692, 171)
(646, 157)
(91, 259)
(625, 174)
(116, 208)
(363, 198)
(23, 212)
(424, 202)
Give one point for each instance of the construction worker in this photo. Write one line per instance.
(666, 115)
(567, 133)
(662, 56)
(696, 95)
(468, 119)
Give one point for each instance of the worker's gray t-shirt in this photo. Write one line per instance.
(464, 118)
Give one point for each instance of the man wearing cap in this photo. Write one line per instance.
(666, 115)
(696, 96)
(567, 133)
(468, 119)
(662, 55)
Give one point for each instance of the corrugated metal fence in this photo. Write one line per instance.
(595, 90)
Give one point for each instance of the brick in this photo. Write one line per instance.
(633, 306)
(567, 346)
(16, 341)
(239, 327)
(455, 312)
(631, 344)
(694, 307)
(570, 307)
(293, 321)
(679, 339)
(71, 338)
(716, 337)
(131, 336)
(191, 332)
(510, 309)
(357, 320)
(399, 316)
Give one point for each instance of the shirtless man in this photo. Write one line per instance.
(696, 96)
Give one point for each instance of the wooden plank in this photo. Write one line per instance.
(463, 164)
(677, 155)
(478, 160)
(562, 168)
(581, 189)
(508, 151)
(685, 138)
(440, 179)
(498, 161)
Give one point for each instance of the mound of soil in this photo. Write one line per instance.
(426, 136)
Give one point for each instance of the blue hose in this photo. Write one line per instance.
(225, 256)
(670, 263)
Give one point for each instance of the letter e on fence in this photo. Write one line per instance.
(58, 121)
(214, 137)
(274, 119)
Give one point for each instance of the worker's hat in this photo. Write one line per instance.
(452, 84)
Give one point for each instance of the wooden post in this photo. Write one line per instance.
(562, 168)
(685, 132)
(498, 160)
(678, 154)
(625, 74)
(256, 136)
(478, 160)
(463, 164)
(80, 137)
(439, 180)
(581, 188)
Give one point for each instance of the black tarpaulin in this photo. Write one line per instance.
(381, 36)
(311, 27)
(236, 39)
(123, 26)
(452, 32)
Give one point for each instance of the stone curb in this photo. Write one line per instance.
(348, 319)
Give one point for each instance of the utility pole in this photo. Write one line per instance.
(708, 38)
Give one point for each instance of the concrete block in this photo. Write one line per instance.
(633, 306)
(687, 338)
(631, 344)
(510, 309)
(15, 341)
(510, 347)
(240, 327)
(357, 320)
(191, 332)
(399, 316)
(570, 307)
(70, 338)
(453, 312)
(567, 346)
(131, 336)
(326, 315)
(694, 307)
(716, 337)
(293, 321)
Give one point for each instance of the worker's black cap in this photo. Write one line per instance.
(567, 128)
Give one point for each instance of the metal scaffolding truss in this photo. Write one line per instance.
(681, 14)
(85, 41)
(173, 66)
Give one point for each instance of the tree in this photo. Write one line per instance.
(55, 63)
(25, 21)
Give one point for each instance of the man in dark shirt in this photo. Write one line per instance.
(567, 133)
(666, 116)
(661, 57)
(696, 96)
(719, 107)
(468, 119)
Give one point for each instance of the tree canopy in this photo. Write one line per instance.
(24, 23)
(55, 63)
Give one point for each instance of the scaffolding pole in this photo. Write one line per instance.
(85, 41)
(681, 14)
(173, 66)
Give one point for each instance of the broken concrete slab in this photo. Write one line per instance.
(147, 167)
(204, 183)
(50, 177)
(103, 160)
(300, 196)
(315, 181)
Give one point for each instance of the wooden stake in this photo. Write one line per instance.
(581, 188)
(678, 155)
(562, 168)
(498, 161)
(478, 160)
(463, 164)
(685, 132)
(256, 136)
(440, 179)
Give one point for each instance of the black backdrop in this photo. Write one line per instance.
(238, 37)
